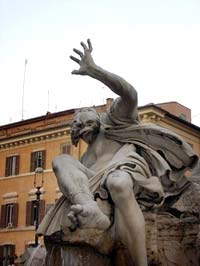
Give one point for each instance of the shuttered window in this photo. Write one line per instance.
(15, 215)
(28, 213)
(66, 148)
(38, 159)
(31, 212)
(1, 255)
(9, 215)
(7, 255)
(3, 216)
(12, 165)
(42, 210)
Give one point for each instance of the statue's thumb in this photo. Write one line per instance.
(75, 72)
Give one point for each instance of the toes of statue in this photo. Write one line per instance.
(76, 208)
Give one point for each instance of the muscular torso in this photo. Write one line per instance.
(100, 152)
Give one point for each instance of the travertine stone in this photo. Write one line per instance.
(131, 166)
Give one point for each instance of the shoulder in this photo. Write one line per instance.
(121, 111)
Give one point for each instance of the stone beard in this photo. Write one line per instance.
(85, 125)
(134, 164)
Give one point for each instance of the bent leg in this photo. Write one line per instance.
(131, 224)
(72, 179)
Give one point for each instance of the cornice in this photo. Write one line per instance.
(150, 117)
(167, 115)
(35, 137)
(17, 229)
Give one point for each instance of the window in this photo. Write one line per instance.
(183, 116)
(66, 148)
(12, 165)
(7, 255)
(38, 159)
(9, 215)
(31, 212)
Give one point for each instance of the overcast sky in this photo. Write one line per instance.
(154, 45)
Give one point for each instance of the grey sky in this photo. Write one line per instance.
(152, 44)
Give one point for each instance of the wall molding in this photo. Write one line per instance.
(25, 175)
(33, 138)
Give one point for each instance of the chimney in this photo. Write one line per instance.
(109, 102)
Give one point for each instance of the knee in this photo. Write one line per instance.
(61, 161)
(119, 183)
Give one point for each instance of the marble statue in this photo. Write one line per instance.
(129, 163)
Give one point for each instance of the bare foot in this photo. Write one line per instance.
(88, 216)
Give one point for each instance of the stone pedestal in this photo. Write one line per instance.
(172, 238)
(170, 242)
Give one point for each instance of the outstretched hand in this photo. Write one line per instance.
(86, 61)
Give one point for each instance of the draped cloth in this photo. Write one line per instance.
(167, 154)
(155, 158)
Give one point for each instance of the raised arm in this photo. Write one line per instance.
(117, 84)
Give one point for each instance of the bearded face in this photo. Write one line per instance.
(85, 125)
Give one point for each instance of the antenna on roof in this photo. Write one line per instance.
(48, 101)
(23, 86)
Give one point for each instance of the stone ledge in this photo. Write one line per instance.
(17, 229)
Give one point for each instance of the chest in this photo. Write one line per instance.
(100, 153)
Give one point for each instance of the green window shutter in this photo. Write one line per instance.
(66, 148)
(1, 255)
(12, 250)
(28, 213)
(32, 163)
(7, 167)
(44, 159)
(17, 165)
(42, 210)
(3, 216)
(15, 214)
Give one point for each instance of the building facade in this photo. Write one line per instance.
(33, 143)
(175, 117)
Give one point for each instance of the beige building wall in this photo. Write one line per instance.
(189, 132)
(50, 133)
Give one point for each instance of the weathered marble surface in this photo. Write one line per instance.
(33, 256)
(137, 166)
(174, 241)
(171, 241)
